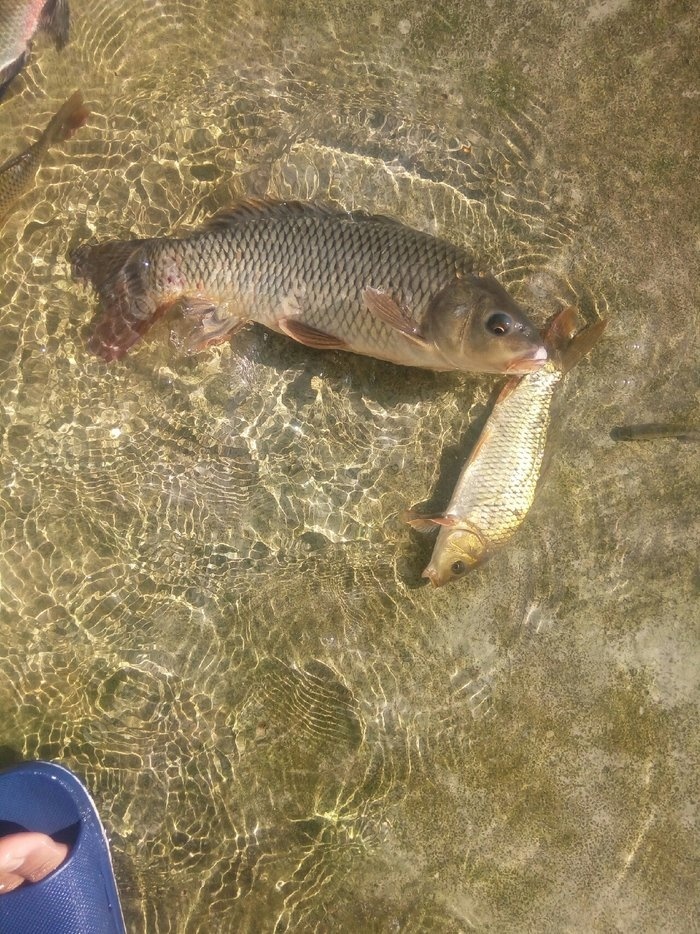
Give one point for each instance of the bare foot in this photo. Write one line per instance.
(28, 857)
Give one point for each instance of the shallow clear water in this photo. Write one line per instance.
(210, 607)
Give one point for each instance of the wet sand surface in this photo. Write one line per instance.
(209, 605)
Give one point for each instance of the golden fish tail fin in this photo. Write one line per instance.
(120, 273)
(561, 328)
(581, 344)
(565, 343)
(70, 117)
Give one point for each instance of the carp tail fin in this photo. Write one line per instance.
(119, 273)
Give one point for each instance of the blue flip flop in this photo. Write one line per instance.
(80, 897)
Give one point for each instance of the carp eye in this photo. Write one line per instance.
(458, 567)
(499, 323)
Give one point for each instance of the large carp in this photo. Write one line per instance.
(328, 279)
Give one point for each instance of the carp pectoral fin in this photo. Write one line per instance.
(310, 337)
(426, 523)
(196, 307)
(213, 326)
(391, 313)
(55, 21)
(10, 72)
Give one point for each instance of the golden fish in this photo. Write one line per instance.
(497, 485)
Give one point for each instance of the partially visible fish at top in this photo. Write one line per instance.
(20, 21)
(17, 174)
(329, 279)
(497, 485)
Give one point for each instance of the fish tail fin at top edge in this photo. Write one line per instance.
(10, 72)
(69, 117)
(119, 272)
(55, 21)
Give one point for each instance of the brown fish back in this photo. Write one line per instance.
(324, 259)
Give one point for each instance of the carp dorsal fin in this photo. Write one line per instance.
(55, 21)
(310, 337)
(506, 390)
(249, 208)
(252, 208)
(487, 430)
(390, 312)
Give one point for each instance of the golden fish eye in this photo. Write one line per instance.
(458, 567)
(499, 323)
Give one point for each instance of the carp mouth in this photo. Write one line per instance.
(529, 362)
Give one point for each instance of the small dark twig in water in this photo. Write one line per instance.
(654, 431)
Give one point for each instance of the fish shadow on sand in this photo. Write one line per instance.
(383, 383)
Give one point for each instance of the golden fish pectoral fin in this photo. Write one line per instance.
(426, 523)
(310, 337)
(507, 389)
(66, 121)
(383, 306)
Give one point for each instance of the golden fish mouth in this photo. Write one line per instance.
(432, 575)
